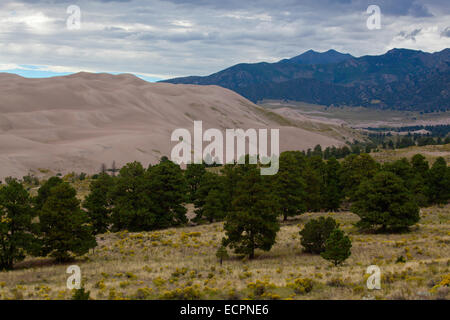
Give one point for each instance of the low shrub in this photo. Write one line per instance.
(81, 294)
(185, 293)
(302, 285)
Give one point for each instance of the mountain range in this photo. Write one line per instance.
(400, 79)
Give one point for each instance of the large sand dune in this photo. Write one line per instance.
(78, 122)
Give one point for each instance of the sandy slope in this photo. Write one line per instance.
(78, 122)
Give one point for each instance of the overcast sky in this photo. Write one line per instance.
(164, 39)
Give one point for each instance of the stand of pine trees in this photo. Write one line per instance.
(386, 197)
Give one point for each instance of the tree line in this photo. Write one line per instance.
(55, 223)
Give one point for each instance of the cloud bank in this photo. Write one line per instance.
(163, 39)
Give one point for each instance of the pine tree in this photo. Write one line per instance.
(419, 185)
(113, 169)
(98, 203)
(317, 151)
(145, 200)
(252, 224)
(64, 226)
(337, 247)
(313, 186)
(420, 165)
(419, 188)
(209, 182)
(438, 182)
(103, 168)
(384, 201)
(44, 191)
(290, 187)
(315, 234)
(332, 193)
(222, 254)
(133, 206)
(16, 224)
(231, 178)
(214, 209)
(194, 174)
(354, 170)
(401, 168)
(169, 191)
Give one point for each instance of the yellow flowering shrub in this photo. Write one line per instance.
(301, 285)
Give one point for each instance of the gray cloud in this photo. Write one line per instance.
(446, 32)
(410, 35)
(181, 37)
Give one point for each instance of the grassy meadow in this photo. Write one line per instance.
(431, 153)
(180, 263)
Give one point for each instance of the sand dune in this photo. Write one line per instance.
(78, 122)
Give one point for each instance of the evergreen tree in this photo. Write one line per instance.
(169, 190)
(327, 153)
(63, 225)
(314, 176)
(356, 149)
(337, 247)
(194, 173)
(222, 254)
(253, 222)
(150, 199)
(312, 189)
(401, 168)
(311, 172)
(418, 183)
(345, 151)
(315, 234)
(405, 142)
(214, 208)
(44, 191)
(439, 182)
(16, 224)
(419, 188)
(354, 170)
(209, 182)
(98, 203)
(133, 207)
(332, 193)
(290, 187)
(317, 151)
(420, 165)
(231, 177)
(385, 201)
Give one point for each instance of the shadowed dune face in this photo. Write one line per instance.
(78, 122)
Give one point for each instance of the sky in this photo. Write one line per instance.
(165, 39)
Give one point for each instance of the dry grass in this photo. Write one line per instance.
(431, 153)
(181, 263)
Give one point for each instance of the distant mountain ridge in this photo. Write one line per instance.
(314, 57)
(400, 79)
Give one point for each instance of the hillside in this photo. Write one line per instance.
(400, 79)
(180, 263)
(78, 122)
